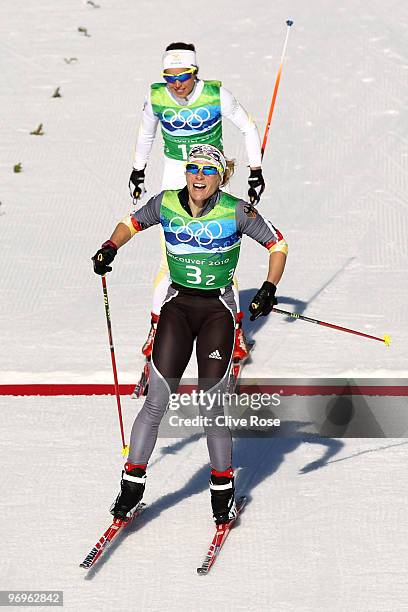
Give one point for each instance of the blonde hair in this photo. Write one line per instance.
(229, 171)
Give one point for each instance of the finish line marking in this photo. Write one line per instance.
(283, 390)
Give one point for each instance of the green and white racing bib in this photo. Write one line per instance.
(202, 252)
(184, 126)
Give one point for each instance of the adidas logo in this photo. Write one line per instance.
(215, 355)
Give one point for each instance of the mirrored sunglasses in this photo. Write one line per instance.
(183, 76)
(206, 170)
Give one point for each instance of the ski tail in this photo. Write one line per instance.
(236, 368)
(142, 386)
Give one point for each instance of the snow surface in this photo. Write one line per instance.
(325, 529)
(336, 168)
(336, 172)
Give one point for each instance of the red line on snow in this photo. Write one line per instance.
(292, 389)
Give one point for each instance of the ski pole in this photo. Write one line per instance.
(289, 23)
(386, 339)
(125, 448)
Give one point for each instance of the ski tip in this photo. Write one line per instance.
(86, 564)
(387, 340)
(201, 571)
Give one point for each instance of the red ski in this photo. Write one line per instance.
(219, 538)
(105, 541)
(236, 368)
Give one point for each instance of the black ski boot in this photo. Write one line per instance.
(222, 496)
(132, 489)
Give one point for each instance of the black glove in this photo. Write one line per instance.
(263, 302)
(256, 186)
(136, 184)
(104, 257)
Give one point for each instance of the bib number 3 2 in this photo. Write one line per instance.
(195, 277)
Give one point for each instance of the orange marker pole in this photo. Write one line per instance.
(289, 23)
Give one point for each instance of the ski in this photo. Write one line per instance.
(219, 538)
(236, 368)
(105, 541)
(143, 385)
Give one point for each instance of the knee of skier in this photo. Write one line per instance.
(152, 412)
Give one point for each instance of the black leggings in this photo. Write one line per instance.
(184, 318)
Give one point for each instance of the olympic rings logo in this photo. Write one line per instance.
(186, 117)
(204, 234)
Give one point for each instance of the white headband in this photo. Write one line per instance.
(179, 58)
(207, 153)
